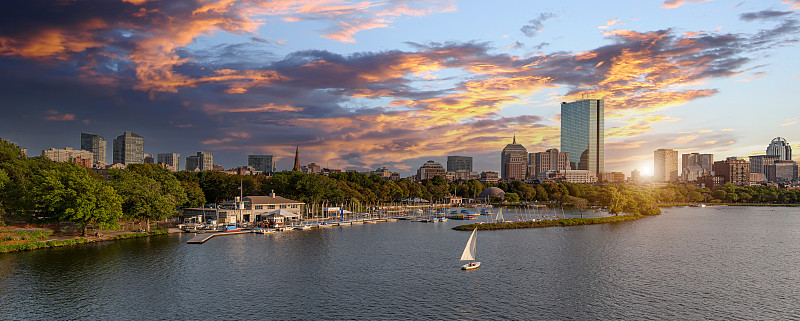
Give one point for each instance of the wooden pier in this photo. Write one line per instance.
(202, 238)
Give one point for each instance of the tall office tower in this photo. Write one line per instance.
(759, 163)
(203, 161)
(582, 131)
(665, 165)
(459, 163)
(129, 149)
(549, 160)
(148, 159)
(171, 160)
(96, 145)
(514, 161)
(261, 163)
(733, 170)
(779, 147)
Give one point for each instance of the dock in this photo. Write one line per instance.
(202, 238)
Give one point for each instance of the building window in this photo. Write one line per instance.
(294, 205)
(259, 207)
(283, 206)
(271, 207)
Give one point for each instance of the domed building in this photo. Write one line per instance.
(490, 192)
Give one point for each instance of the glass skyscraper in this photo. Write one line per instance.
(582, 131)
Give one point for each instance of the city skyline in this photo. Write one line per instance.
(361, 86)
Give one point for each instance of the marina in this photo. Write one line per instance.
(646, 269)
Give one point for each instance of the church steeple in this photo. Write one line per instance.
(297, 159)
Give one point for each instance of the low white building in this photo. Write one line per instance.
(577, 176)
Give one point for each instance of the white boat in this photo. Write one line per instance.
(469, 252)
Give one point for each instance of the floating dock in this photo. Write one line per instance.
(202, 238)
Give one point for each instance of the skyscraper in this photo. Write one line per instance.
(665, 165)
(203, 161)
(514, 161)
(779, 147)
(129, 149)
(261, 163)
(172, 160)
(96, 145)
(696, 165)
(459, 163)
(582, 134)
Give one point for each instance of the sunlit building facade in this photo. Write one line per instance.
(582, 134)
(514, 161)
(779, 147)
(665, 165)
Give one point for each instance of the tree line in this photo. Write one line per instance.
(37, 189)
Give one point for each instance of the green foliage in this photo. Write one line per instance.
(67, 192)
(194, 194)
(5, 248)
(548, 223)
(149, 192)
(512, 197)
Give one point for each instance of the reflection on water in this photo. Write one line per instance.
(689, 263)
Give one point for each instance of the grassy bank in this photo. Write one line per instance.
(559, 222)
(15, 245)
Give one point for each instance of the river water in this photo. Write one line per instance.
(689, 263)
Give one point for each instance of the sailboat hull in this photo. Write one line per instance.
(471, 266)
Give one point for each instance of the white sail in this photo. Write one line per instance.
(499, 217)
(469, 250)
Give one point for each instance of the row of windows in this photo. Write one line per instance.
(272, 207)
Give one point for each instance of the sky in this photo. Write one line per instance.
(366, 84)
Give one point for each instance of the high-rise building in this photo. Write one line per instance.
(430, 170)
(733, 170)
(665, 165)
(459, 163)
(129, 149)
(148, 159)
(82, 157)
(549, 160)
(696, 165)
(171, 160)
(514, 161)
(582, 134)
(705, 161)
(96, 145)
(489, 177)
(635, 176)
(783, 171)
(779, 147)
(203, 161)
(758, 163)
(262, 163)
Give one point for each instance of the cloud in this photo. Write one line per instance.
(790, 122)
(58, 116)
(763, 15)
(610, 23)
(536, 25)
(672, 4)
(377, 107)
(793, 4)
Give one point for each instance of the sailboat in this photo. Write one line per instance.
(469, 252)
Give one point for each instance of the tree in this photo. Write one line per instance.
(149, 192)
(578, 203)
(512, 197)
(67, 192)
(194, 194)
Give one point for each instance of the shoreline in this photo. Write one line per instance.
(35, 245)
(559, 222)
